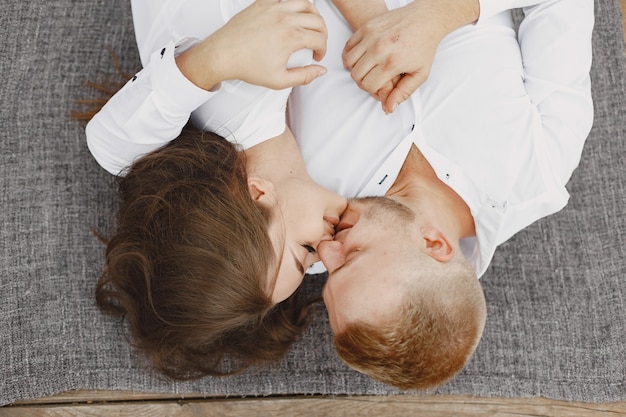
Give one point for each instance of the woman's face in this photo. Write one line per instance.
(305, 215)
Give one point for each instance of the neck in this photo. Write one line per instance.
(418, 187)
(275, 159)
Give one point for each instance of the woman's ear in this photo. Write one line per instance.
(261, 190)
(437, 244)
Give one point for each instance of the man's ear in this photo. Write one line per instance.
(261, 190)
(437, 244)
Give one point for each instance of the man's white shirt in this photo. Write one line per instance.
(504, 132)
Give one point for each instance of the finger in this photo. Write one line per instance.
(376, 80)
(368, 74)
(302, 75)
(353, 50)
(313, 40)
(388, 88)
(310, 21)
(403, 90)
(384, 91)
(311, 33)
(319, 54)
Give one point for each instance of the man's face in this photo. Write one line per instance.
(365, 261)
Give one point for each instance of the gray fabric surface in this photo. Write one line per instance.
(556, 292)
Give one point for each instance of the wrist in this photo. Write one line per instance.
(461, 13)
(451, 14)
(200, 65)
(357, 16)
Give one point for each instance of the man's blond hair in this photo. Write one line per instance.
(429, 337)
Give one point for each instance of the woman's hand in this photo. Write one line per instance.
(255, 46)
(390, 56)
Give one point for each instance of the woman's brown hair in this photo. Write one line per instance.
(189, 262)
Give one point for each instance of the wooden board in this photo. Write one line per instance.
(139, 405)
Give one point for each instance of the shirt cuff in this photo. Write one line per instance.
(173, 89)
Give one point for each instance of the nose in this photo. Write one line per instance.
(331, 254)
(336, 203)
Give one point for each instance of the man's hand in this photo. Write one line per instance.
(390, 56)
(255, 46)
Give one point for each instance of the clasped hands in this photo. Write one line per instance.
(389, 55)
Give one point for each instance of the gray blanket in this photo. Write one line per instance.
(556, 292)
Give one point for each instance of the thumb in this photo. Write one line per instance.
(304, 75)
(403, 90)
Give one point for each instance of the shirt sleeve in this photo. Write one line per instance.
(555, 42)
(490, 8)
(396, 4)
(147, 113)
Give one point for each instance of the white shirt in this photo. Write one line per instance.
(505, 136)
(504, 132)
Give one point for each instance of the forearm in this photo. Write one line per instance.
(148, 112)
(359, 12)
(451, 14)
(459, 12)
(201, 65)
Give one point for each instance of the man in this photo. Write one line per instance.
(483, 149)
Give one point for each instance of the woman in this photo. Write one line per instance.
(213, 236)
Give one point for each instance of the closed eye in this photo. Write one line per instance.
(309, 248)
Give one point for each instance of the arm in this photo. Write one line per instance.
(555, 42)
(152, 108)
(378, 51)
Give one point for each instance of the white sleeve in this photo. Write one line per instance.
(490, 8)
(147, 113)
(555, 42)
(396, 4)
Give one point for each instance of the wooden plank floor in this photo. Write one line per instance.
(123, 404)
(130, 405)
